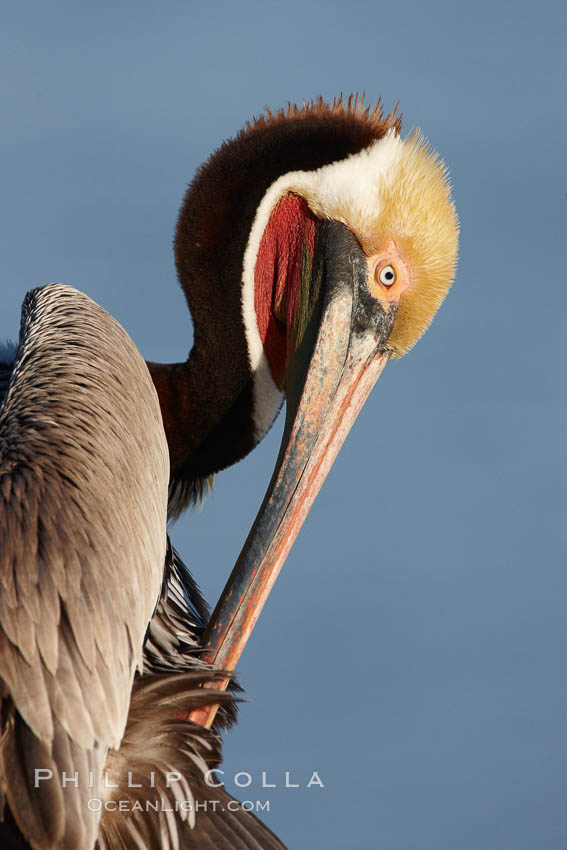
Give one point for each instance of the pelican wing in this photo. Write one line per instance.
(83, 493)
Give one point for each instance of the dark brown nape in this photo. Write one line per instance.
(207, 401)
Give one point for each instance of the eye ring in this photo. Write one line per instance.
(387, 276)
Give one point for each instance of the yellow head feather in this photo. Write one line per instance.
(416, 211)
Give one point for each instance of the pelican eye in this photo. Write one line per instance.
(387, 275)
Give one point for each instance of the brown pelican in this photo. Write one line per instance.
(312, 248)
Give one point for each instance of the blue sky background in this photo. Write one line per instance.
(413, 651)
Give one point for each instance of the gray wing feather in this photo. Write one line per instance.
(83, 495)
